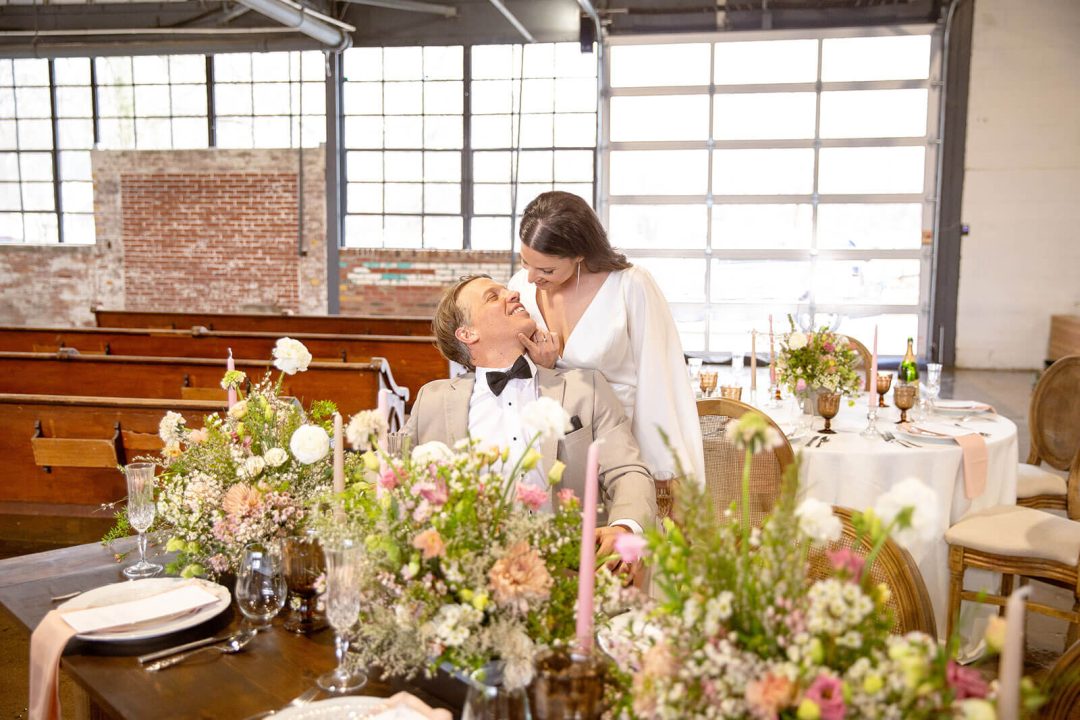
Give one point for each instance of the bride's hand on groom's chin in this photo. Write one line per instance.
(544, 348)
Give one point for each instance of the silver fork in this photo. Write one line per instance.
(889, 437)
(984, 434)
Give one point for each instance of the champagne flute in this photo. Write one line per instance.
(141, 511)
(260, 584)
(342, 610)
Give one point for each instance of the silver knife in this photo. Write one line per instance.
(150, 657)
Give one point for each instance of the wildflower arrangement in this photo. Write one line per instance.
(466, 567)
(739, 632)
(248, 475)
(817, 361)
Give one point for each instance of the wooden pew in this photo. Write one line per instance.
(282, 324)
(413, 361)
(60, 461)
(352, 386)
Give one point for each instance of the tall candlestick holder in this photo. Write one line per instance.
(775, 400)
(871, 429)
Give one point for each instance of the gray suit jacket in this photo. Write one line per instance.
(441, 412)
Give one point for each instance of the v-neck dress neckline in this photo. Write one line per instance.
(534, 309)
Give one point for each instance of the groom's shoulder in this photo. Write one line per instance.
(436, 388)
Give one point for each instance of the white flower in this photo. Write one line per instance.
(275, 457)
(910, 493)
(817, 521)
(796, 340)
(309, 444)
(252, 467)
(290, 356)
(547, 417)
(362, 426)
(431, 453)
(171, 427)
(976, 709)
(238, 410)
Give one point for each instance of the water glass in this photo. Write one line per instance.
(342, 602)
(694, 366)
(303, 560)
(933, 382)
(141, 510)
(260, 584)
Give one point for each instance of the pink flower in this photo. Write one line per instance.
(435, 493)
(828, 347)
(800, 386)
(388, 479)
(531, 496)
(769, 695)
(965, 682)
(566, 496)
(198, 436)
(241, 499)
(429, 543)
(848, 563)
(519, 578)
(828, 693)
(630, 546)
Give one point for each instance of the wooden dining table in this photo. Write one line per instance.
(274, 668)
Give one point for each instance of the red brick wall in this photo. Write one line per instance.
(209, 241)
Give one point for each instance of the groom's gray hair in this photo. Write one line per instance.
(449, 316)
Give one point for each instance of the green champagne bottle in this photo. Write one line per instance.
(909, 366)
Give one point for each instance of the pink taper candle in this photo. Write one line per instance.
(873, 374)
(339, 456)
(383, 408)
(772, 353)
(230, 365)
(753, 359)
(1011, 665)
(587, 568)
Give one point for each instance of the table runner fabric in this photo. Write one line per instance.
(975, 462)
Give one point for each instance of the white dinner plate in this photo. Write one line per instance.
(931, 432)
(347, 708)
(139, 589)
(960, 407)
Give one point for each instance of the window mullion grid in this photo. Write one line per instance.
(466, 149)
(58, 204)
(709, 196)
(382, 144)
(814, 196)
(94, 109)
(211, 111)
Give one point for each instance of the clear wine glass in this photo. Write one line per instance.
(141, 510)
(342, 602)
(260, 584)
(933, 383)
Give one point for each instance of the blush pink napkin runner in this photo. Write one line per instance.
(973, 447)
(46, 646)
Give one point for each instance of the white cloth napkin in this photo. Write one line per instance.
(406, 706)
(57, 627)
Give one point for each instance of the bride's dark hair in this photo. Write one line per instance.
(562, 224)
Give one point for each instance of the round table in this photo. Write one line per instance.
(853, 471)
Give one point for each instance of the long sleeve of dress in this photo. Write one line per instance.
(663, 397)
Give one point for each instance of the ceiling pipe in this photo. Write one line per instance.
(87, 32)
(513, 20)
(325, 29)
(409, 5)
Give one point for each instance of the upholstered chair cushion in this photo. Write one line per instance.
(1033, 480)
(1019, 532)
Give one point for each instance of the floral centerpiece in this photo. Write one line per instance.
(469, 562)
(247, 475)
(739, 632)
(821, 361)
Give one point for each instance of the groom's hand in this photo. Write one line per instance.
(605, 545)
(543, 347)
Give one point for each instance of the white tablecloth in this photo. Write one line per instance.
(853, 472)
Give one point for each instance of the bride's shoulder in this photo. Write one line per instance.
(636, 279)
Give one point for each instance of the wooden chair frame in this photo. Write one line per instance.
(867, 359)
(1040, 453)
(1062, 687)
(736, 409)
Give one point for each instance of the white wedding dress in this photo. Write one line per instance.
(628, 334)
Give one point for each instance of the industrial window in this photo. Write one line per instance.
(27, 193)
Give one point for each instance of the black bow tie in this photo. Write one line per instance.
(497, 379)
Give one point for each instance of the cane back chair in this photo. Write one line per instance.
(1054, 418)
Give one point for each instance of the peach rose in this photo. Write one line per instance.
(519, 577)
(429, 543)
(240, 499)
(769, 695)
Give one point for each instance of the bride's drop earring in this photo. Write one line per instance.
(578, 286)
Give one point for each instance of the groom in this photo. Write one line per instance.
(478, 324)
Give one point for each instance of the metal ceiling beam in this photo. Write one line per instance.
(513, 20)
(409, 5)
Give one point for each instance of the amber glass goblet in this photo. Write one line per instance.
(884, 382)
(707, 381)
(731, 392)
(568, 686)
(304, 563)
(828, 404)
(904, 397)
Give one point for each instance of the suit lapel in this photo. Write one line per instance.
(457, 407)
(552, 386)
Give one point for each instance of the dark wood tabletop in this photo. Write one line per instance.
(276, 667)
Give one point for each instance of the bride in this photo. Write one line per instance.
(595, 310)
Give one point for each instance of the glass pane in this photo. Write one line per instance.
(272, 132)
(489, 199)
(153, 133)
(404, 197)
(41, 227)
(232, 99)
(875, 58)
(570, 62)
(403, 98)
(402, 232)
(270, 67)
(313, 66)
(443, 97)
(234, 67)
(680, 279)
(150, 69)
(538, 96)
(869, 227)
(364, 166)
(660, 65)
(313, 130)
(403, 63)
(760, 281)
(78, 197)
(73, 102)
(234, 132)
(116, 134)
(116, 101)
(7, 102)
(363, 230)
(444, 63)
(38, 196)
(189, 133)
(9, 166)
(763, 172)
(79, 229)
(690, 322)
(767, 61)
(271, 99)
(113, 70)
(363, 63)
(72, 71)
(188, 100)
(494, 62)
(539, 61)
(527, 192)
(35, 134)
(364, 198)
(491, 233)
(76, 133)
(404, 166)
(873, 113)
(442, 166)
(762, 226)
(662, 117)
(491, 167)
(863, 170)
(491, 96)
(443, 132)
(659, 172)
(31, 72)
(33, 102)
(11, 226)
(575, 95)
(10, 196)
(893, 331)
(536, 130)
(36, 166)
(8, 135)
(535, 166)
(573, 166)
(362, 98)
(75, 166)
(152, 100)
(748, 116)
(404, 132)
(443, 232)
(313, 100)
(657, 226)
(442, 198)
(889, 282)
(187, 69)
(363, 132)
(575, 130)
(729, 331)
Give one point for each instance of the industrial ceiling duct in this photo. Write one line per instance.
(325, 29)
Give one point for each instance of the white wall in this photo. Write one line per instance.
(1021, 262)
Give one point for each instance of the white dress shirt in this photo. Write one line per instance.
(496, 420)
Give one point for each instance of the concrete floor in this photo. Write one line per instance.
(1008, 392)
